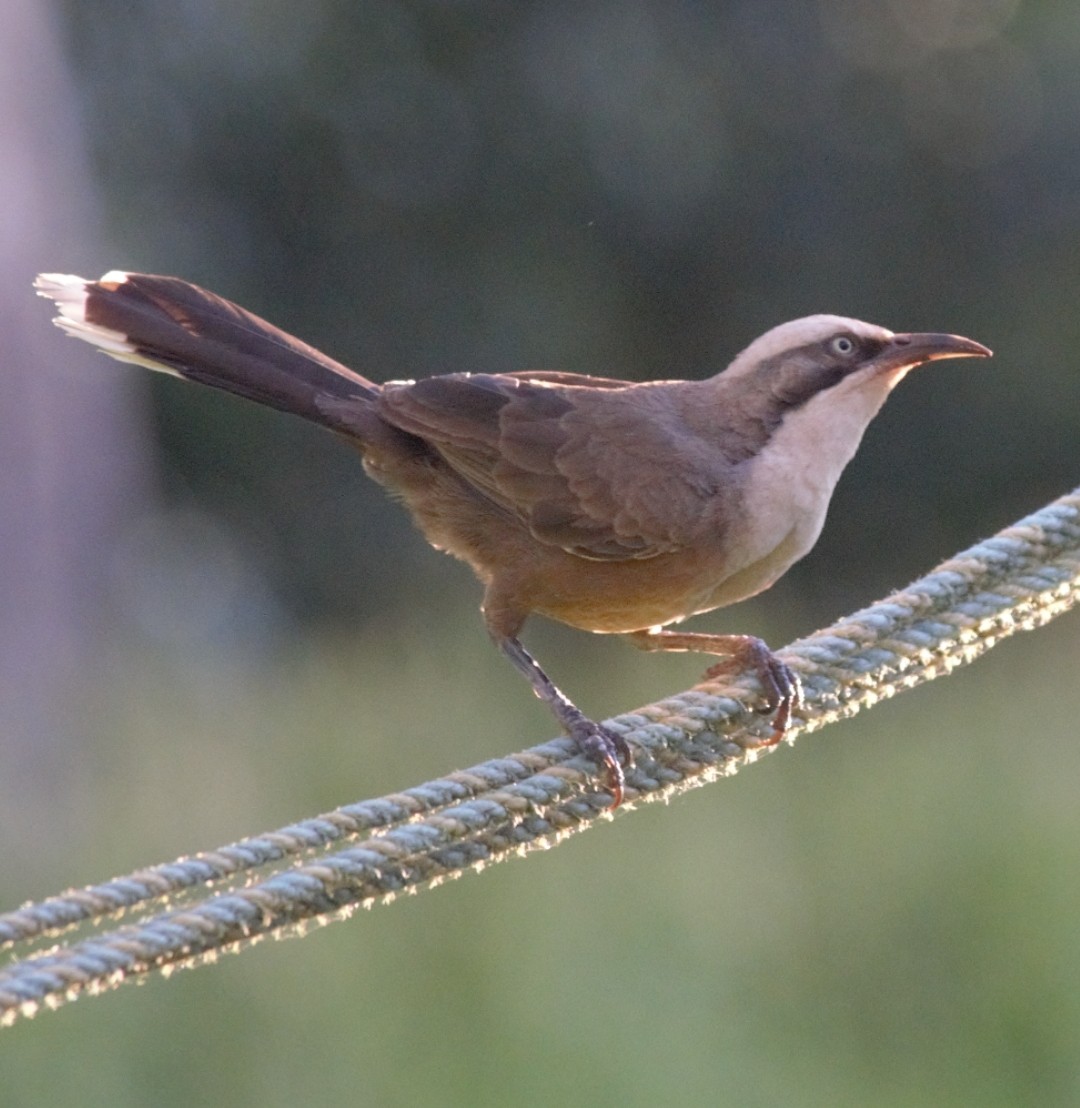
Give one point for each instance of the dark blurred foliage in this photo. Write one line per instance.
(635, 189)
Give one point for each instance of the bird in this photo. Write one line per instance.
(611, 506)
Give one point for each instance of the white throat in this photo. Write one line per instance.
(790, 483)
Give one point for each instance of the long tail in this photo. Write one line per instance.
(166, 324)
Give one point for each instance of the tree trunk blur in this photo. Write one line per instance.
(72, 464)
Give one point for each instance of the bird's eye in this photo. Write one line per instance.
(844, 345)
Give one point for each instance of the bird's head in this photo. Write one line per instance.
(820, 380)
(820, 352)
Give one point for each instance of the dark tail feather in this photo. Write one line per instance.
(169, 325)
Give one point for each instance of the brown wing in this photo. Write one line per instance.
(592, 469)
(558, 377)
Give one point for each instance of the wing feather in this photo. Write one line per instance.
(565, 458)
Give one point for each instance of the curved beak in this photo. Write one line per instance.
(905, 351)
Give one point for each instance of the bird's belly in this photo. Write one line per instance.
(616, 597)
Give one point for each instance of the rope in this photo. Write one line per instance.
(191, 910)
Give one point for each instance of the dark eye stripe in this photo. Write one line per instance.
(785, 382)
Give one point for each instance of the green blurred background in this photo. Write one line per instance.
(213, 624)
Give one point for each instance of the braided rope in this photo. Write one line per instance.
(281, 883)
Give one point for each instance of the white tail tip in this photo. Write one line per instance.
(69, 294)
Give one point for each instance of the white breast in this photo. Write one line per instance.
(790, 483)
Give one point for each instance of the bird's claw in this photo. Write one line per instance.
(609, 750)
(783, 696)
(783, 689)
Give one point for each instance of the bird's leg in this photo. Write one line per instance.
(783, 690)
(604, 747)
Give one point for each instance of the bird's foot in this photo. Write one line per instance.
(783, 689)
(610, 751)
